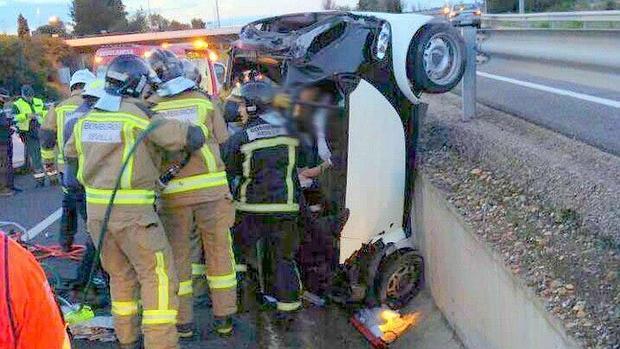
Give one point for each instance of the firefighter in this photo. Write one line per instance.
(29, 113)
(135, 251)
(265, 156)
(198, 195)
(52, 137)
(6, 147)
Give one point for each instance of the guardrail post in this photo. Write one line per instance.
(468, 88)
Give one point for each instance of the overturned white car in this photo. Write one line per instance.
(373, 67)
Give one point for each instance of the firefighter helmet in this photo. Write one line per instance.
(258, 97)
(128, 75)
(166, 64)
(191, 71)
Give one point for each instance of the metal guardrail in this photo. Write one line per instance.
(553, 20)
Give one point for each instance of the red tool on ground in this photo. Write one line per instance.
(382, 326)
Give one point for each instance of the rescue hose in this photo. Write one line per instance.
(106, 219)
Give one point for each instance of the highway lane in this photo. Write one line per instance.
(584, 106)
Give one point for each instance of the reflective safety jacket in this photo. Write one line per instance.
(23, 109)
(29, 315)
(203, 179)
(54, 124)
(101, 142)
(265, 157)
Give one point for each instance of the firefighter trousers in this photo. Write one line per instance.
(270, 242)
(6, 164)
(137, 256)
(213, 221)
(73, 204)
(199, 269)
(33, 153)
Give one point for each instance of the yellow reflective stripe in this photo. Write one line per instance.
(209, 158)
(80, 149)
(231, 253)
(159, 317)
(129, 141)
(185, 288)
(199, 269)
(269, 143)
(227, 280)
(60, 126)
(290, 190)
(224, 281)
(48, 154)
(162, 281)
(282, 306)
(247, 162)
(209, 180)
(123, 196)
(263, 208)
(127, 308)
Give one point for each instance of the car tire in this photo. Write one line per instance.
(399, 278)
(428, 68)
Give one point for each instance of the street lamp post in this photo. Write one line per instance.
(217, 13)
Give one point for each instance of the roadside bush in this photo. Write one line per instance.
(34, 61)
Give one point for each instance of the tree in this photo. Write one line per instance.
(175, 25)
(329, 5)
(368, 5)
(380, 5)
(96, 16)
(33, 61)
(198, 23)
(138, 23)
(611, 5)
(53, 28)
(23, 30)
(394, 6)
(158, 22)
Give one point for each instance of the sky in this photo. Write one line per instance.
(232, 12)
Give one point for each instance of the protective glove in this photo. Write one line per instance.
(282, 100)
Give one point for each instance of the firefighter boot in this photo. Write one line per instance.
(223, 326)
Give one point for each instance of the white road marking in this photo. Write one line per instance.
(44, 224)
(604, 101)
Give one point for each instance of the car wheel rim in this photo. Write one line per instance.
(401, 282)
(441, 58)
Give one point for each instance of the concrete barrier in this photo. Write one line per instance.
(486, 305)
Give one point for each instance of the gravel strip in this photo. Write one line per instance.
(510, 180)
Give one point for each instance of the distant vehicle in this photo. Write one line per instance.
(192, 51)
(463, 14)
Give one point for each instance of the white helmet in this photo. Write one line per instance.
(94, 88)
(83, 76)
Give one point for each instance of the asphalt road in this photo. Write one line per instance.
(571, 101)
(315, 327)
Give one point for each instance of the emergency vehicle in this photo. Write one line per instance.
(197, 52)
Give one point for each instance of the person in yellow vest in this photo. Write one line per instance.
(198, 194)
(29, 113)
(135, 250)
(51, 135)
(52, 138)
